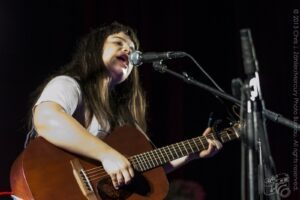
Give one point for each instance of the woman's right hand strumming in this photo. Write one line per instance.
(117, 166)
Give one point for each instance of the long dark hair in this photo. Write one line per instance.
(125, 103)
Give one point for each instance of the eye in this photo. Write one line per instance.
(119, 43)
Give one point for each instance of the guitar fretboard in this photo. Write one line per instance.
(157, 157)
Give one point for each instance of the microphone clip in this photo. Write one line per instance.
(159, 66)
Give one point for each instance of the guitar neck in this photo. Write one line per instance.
(157, 157)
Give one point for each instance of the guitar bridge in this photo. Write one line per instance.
(82, 180)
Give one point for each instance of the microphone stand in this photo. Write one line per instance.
(255, 146)
(273, 116)
(256, 161)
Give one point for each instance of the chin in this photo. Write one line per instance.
(118, 79)
(118, 74)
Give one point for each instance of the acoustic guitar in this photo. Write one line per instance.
(45, 172)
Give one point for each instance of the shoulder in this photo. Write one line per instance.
(64, 79)
(63, 90)
(64, 83)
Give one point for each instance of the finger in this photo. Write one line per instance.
(114, 180)
(218, 144)
(207, 151)
(207, 131)
(131, 172)
(120, 178)
(211, 145)
(126, 176)
(212, 148)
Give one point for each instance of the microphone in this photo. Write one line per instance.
(250, 63)
(248, 52)
(137, 58)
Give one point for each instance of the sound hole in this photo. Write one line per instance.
(139, 185)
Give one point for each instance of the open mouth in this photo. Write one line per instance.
(124, 59)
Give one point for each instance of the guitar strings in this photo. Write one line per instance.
(167, 152)
(98, 173)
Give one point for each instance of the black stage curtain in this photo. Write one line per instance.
(37, 37)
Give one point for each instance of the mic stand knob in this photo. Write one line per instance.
(159, 66)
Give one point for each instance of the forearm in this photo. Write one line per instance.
(213, 147)
(175, 164)
(64, 131)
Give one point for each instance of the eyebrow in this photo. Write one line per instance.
(131, 47)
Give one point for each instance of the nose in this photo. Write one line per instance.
(126, 49)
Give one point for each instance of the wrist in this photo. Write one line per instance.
(104, 152)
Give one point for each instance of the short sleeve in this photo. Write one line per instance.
(64, 91)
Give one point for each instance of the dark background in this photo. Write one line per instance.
(36, 37)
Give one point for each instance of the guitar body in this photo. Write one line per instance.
(44, 172)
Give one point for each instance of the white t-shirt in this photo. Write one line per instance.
(65, 91)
